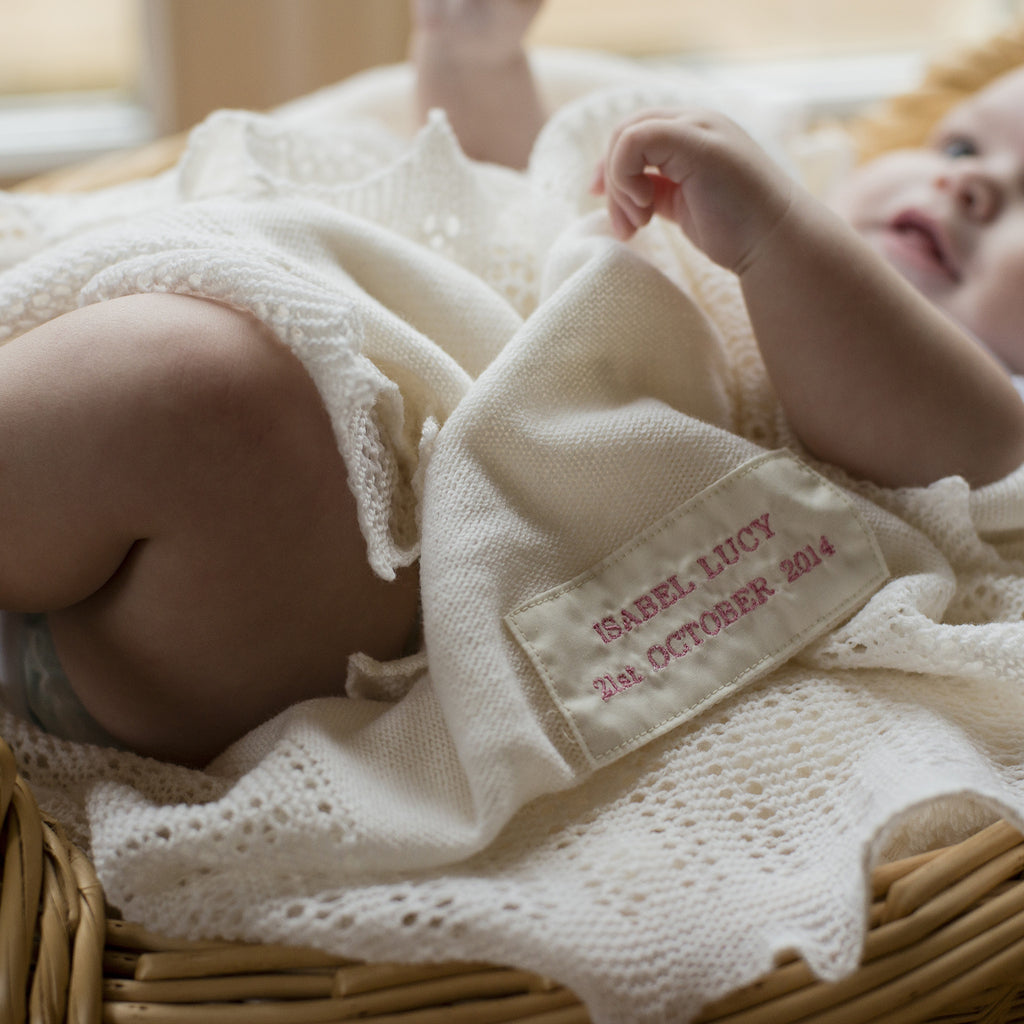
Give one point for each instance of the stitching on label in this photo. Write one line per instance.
(861, 594)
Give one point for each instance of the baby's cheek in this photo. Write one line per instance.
(870, 191)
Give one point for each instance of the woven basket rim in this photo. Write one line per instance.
(946, 931)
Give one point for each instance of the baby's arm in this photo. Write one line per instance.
(873, 378)
(470, 60)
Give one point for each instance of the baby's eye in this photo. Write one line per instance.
(957, 146)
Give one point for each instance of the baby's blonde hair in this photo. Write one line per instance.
(907, 120)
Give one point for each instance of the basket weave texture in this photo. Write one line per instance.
(945, 943)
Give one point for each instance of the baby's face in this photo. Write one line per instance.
(950, 217)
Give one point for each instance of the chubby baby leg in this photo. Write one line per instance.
(171, 494)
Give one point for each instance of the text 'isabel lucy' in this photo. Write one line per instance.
(708, 622)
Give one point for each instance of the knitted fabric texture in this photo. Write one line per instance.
(516, 395)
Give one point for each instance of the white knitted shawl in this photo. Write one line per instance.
(516, 397)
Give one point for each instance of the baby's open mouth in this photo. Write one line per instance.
(926, 236)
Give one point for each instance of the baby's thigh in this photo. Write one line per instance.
(245, 585)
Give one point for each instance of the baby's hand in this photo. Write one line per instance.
(700, 170)
(486, 30)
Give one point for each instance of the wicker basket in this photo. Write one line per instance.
(946, 943)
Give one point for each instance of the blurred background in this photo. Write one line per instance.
(79, 78)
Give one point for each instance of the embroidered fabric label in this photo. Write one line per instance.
(726, 587)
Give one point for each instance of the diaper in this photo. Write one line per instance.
(34, 686)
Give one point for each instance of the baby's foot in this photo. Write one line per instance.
(470, 60)
(482, 31)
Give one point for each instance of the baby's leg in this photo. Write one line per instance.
(470, 60)
(171, 492)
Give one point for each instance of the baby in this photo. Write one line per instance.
(902, 306)
(174, 499)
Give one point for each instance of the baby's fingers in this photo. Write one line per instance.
(627, 215)
(648, 142)
(622, 227)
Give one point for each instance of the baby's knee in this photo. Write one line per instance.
(225, 380)
(188, 398)
(223, 362)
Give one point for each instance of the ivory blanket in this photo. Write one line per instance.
(529, 406)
